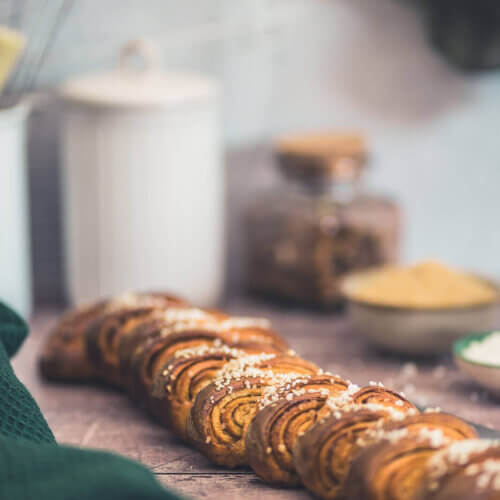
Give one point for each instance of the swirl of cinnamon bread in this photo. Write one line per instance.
(464, 470)
(150, 356)
(64, 355)
(158, 325)
(322, 456)
(451, 427)
(380, 395)
(285, 413)
(243, 332)
(393, 468)
(104, 333)
(223, 410)
(182, 377)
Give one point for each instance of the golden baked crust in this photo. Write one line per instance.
(323, 455)
(223, 410)
(380, 395)
(468, 470)
(183, 376)
(285, 413)
(395, 466)
(103, 336)
(64, 355)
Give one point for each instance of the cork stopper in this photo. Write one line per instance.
(322, 157)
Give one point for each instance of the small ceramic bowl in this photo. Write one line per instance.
(486, 374)
(415, 331)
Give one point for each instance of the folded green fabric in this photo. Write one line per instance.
(34, 466)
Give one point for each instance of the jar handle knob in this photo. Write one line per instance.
(144, 49)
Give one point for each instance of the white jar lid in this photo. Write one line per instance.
(127, 86)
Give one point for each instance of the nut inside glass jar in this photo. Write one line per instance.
(320, 224)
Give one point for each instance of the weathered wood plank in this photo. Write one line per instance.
(234, 486)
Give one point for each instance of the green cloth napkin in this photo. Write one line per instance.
(34, 466)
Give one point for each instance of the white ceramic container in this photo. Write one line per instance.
(15, 267)
(143, 182)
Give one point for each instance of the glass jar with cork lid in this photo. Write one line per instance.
(320, 224)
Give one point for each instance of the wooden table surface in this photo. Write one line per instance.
(95, 417)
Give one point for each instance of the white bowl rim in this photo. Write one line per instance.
(458, 349)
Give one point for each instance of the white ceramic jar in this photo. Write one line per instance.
(143, 182)
(15, 265)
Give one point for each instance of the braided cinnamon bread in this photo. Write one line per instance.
(231, 386)
(285, 413)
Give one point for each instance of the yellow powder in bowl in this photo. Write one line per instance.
(426, 285)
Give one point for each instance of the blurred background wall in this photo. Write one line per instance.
(298, 65)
